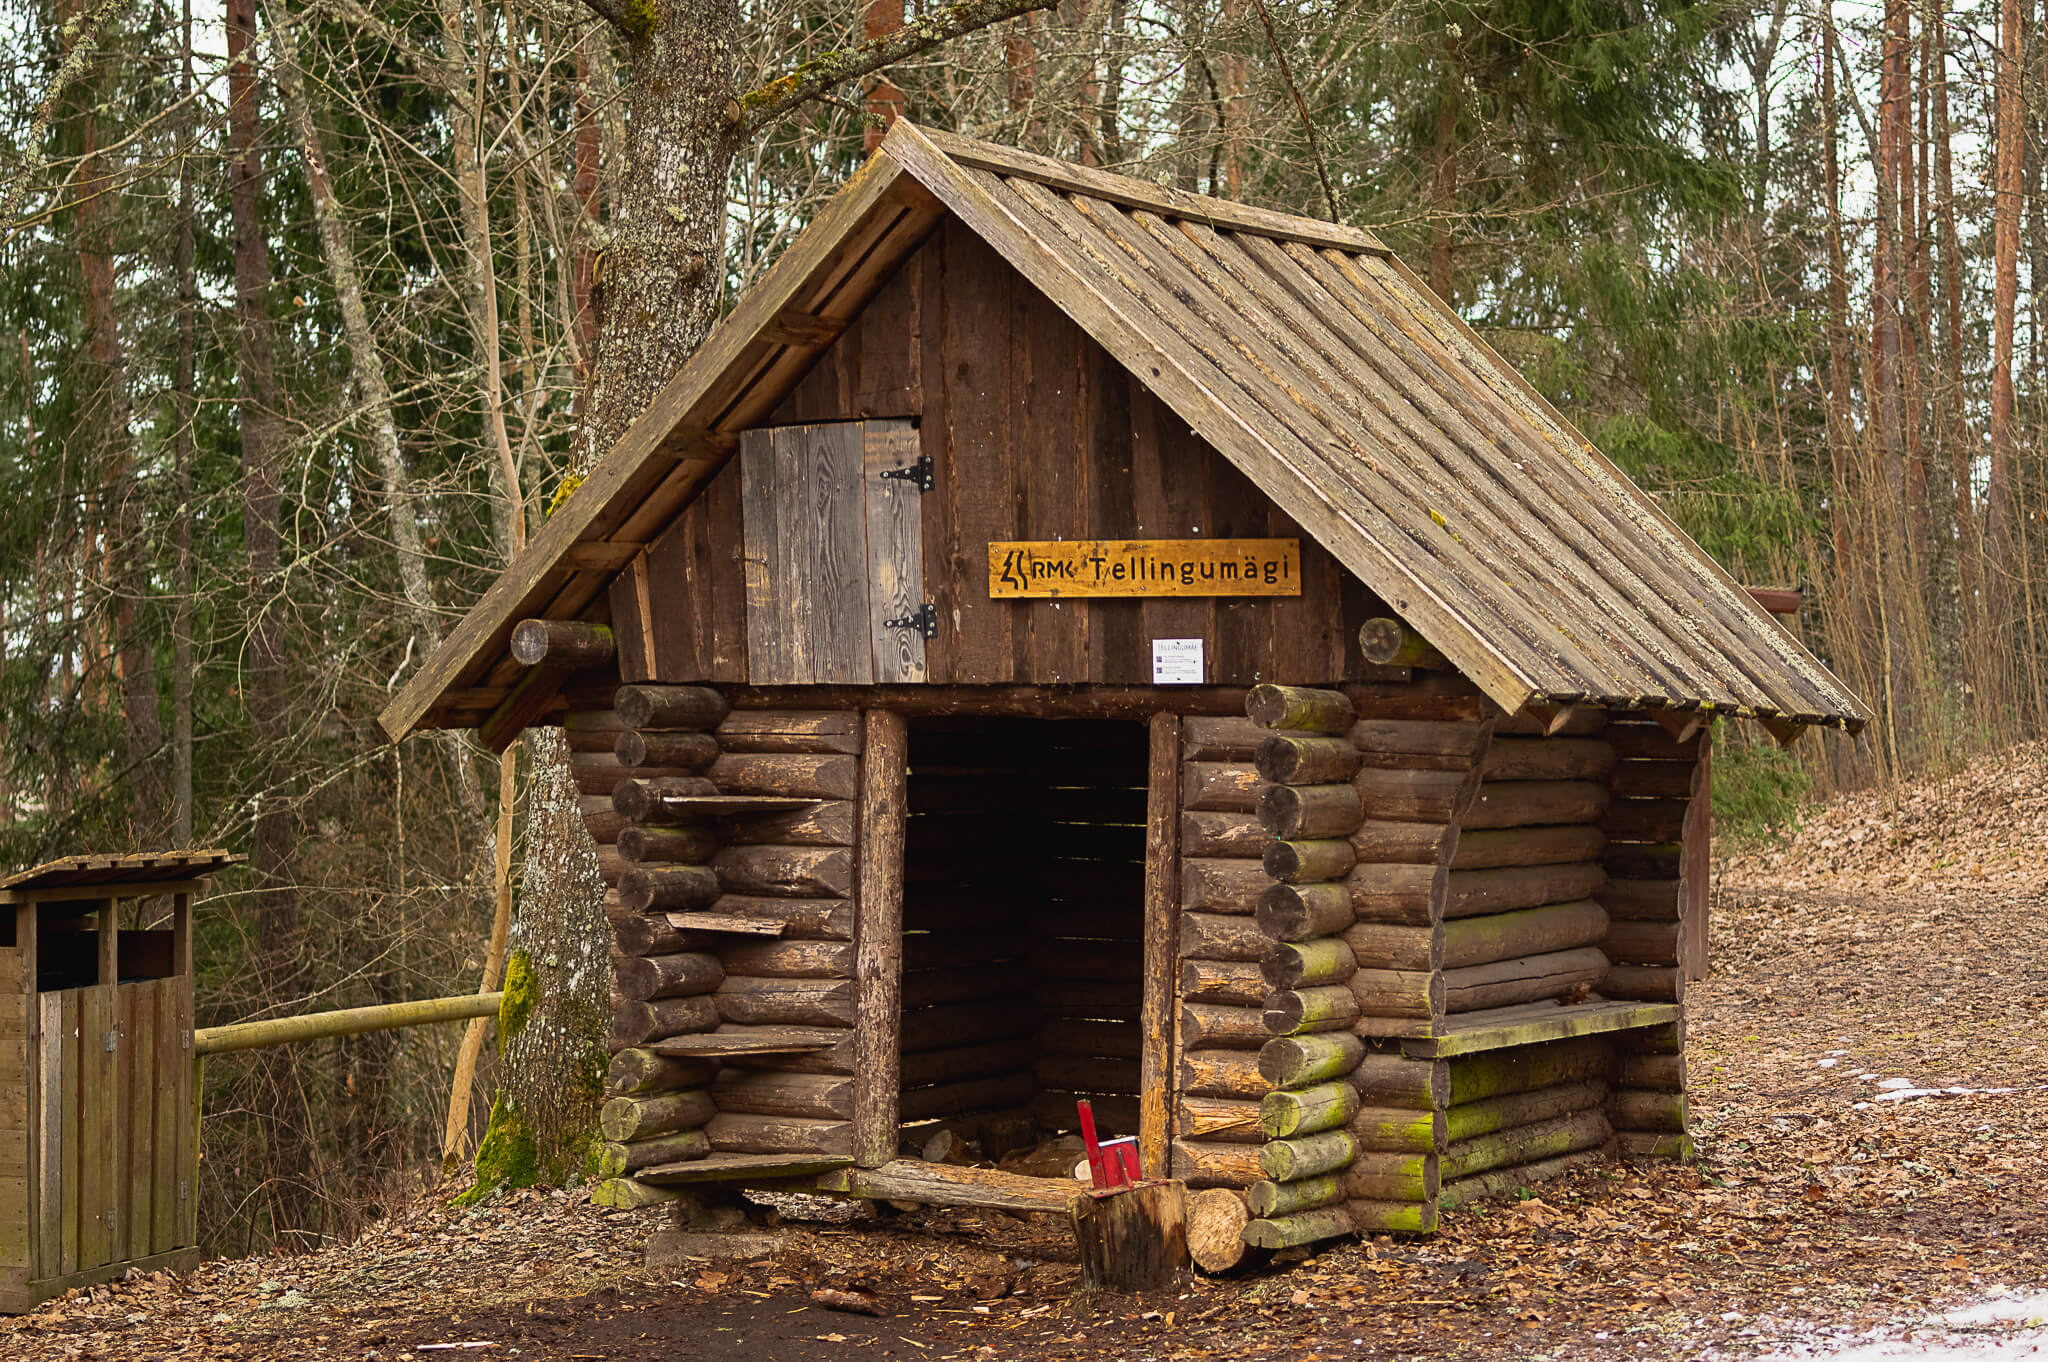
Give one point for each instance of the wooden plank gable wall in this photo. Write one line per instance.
(1034, 433)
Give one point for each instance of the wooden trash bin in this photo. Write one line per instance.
(98, 1142)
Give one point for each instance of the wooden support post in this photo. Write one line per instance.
(1135, 1239)
(1696, 863)
(1159, 1008)
(878, 938)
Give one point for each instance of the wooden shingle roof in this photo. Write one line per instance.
(1308, 356)
(163, 867)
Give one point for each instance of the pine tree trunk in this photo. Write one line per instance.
(184, 445)
(287, 1153)
(2009, 159)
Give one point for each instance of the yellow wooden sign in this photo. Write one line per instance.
(1144, 567)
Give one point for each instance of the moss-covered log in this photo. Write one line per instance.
(1299, 1061)
(1307, 1156)
(1269, 1198)
(1304, 1111)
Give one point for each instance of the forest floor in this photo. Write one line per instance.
(1870, 1102)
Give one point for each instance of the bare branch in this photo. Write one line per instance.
(78, 38)
(781, 97)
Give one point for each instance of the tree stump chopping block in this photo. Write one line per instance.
(1135, 1238)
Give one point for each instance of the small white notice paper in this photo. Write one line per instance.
(1176, 662)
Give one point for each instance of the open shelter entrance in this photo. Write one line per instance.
(1023, 917)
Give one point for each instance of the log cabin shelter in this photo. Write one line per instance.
(1059, 637)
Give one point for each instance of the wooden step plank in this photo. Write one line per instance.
(942, 1184)
(777, 1040)
(1533, 1023)
(741, 1168)
(724, 922)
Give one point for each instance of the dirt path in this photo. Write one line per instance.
(1870, 1109)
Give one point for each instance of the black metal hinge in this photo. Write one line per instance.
(925, 620)
(919, 473)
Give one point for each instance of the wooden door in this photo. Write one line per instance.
(834, 554)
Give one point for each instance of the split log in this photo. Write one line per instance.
(1659, 1073)
(598, 773)
(1221, 786)
(1644, 983)
(1655, 780)
(1076, 1036)
(939, 1101)
(1396, 893)
(1086, 1073)
(668, 888)
(642, 800)
(1507, 1181)
(786, 872)
(1644, 1144)
(1643, 861)
(1392, 1080)
(1305, 1111)
(1492, 848)
(1527, 932)
(1293, 1231)
(1300, 1061)
(1398, 993)
(1525, 1144)
(1391, 1217)
(1306, 1011)
(626, 1119)
(639, 1071)
(1217, 886)
(695, 707)
(786, 1002)
(638, 1023)
(1213, 981)
(1267, 1199)
(1474, 1119)
(1299, 709)
(1229, 1120)
(1574, 721)
(1298, 812)
(1646, 820)
(1380, 840)
(600, 819)
(825, 823)
(1307, 1156)
(1420, 737)
(1641, 1109)
(1308, 964)
(1546, 759)
(743, 1133)
(1305, 861)
(1223, 1073)
(1207, 1026)
(1649, 742)
(689, 751)
(1410, 796)
(800, 919)
(1298, 759)
(789, 775)
(1055, 1111)
(1469, 893)
(773, 959)
(614, 1160)
(1393, 1177)
(1236, 983)
(1643, 943)
(1206, 832)
(644, 978)
(1298, 912)
(956, 1062)
(1388, 642)
(1397, 1130)
(1212, 936)
(1133, 1240)
(651, 934)
(790, 730)
(572, 644)
(592, 730)
(1202, 1164)
(927, 988)
(1648, 900)
(1496, 1073)
(688, 845)
(1508, 982)
(1381, 945)
(1215, 738)
(941, 1027)
(820, 1096)
(1216, 1221)
(1523, 803)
